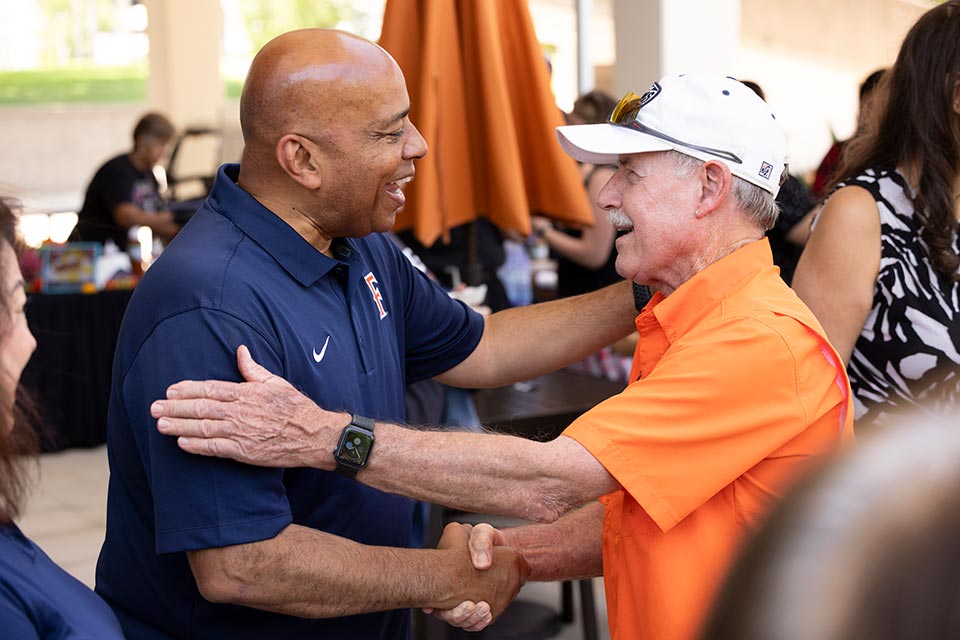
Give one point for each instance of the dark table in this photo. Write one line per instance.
(69, 374)
(542, 408)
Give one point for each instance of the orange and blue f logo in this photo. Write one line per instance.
(371, 281)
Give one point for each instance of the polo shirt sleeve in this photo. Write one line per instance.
(439, 332)
(200, 502)
(16, 621)
(717, 403)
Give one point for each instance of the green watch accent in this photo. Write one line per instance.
(356, 443)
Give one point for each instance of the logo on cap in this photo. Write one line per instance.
(651, 93)
(765, 170)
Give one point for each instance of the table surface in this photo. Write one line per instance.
(542, 408)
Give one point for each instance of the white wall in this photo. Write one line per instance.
(185, 80)
(50, 152)
(810, 56)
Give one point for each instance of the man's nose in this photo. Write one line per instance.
(609, 196)
(416, 146)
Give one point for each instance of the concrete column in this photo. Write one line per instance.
(585, 80)
(657, 37)
(185, 83)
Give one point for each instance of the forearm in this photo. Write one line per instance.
(799, 232)
(161, 222)
(576, 250)
(269, 423)
(486, 473)
(311, 574)
(129, 215)
(525, 342)
(567, 549)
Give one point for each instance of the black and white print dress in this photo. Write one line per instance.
(907, 354)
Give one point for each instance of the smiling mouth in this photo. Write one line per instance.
(401, 183)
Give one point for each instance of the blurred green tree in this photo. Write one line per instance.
(266, 19)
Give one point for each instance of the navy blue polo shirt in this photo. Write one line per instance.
(348, 332)
(38, 599)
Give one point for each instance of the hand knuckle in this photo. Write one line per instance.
(207, 428)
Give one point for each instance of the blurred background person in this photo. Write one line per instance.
(473, 255)
(854, 551)
(125, 193)
(880, 269)
(793, 225)
(827, 170)
(586, 259)
(38, 599)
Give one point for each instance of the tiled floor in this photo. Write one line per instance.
(66, 512)
(66, 517)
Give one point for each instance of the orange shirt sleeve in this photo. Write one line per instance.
(719, 401)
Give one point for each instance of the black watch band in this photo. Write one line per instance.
(354, 447)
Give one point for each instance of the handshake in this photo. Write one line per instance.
(488, 572)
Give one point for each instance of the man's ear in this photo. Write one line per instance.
(715, 183)
(298, 157)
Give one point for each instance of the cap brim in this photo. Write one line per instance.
(605, 143)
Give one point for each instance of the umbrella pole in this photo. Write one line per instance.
(473, 274)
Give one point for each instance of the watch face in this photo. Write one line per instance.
(354, 446)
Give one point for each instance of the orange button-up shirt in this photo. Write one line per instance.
(734, 389)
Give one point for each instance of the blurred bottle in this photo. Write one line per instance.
(515, 274)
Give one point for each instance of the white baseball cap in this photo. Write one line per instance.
(706, 116)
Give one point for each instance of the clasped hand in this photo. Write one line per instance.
(493, 571)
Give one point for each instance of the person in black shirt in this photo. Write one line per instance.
(124, 192)
(790, 232)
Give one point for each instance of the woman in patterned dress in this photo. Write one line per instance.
(881, 267)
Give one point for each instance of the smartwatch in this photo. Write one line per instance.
(356, 443)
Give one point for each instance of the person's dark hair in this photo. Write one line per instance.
(594, 107)
(865, 547)
(753, 86)
(915, 123)
(18, 435)
(155, 125)
(870, 83)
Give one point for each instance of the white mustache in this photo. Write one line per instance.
(618, 218)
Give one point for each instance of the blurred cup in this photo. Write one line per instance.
(472, 296)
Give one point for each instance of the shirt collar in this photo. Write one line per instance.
(698, 296)
(297, 256)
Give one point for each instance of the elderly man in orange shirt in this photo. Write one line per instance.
(734, 388)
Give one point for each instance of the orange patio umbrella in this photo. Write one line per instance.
(480, 95)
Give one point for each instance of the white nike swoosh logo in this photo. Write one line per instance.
(317, 357)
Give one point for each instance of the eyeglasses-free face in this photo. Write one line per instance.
(625, 115)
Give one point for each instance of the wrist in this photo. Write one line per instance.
(509, 538)
(354, 444)
(326, 427)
